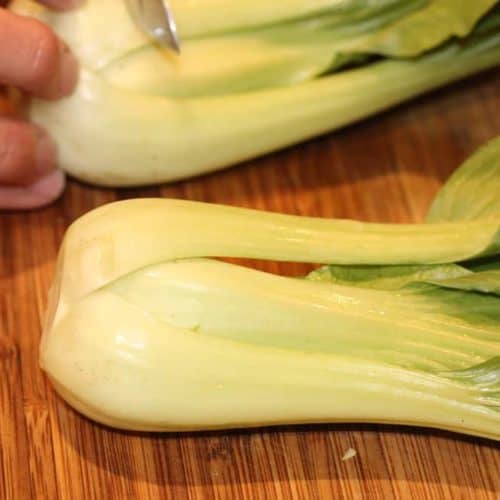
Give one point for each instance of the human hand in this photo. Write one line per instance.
(35, 61)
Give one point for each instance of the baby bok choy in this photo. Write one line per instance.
(146, 330)
(253, 77)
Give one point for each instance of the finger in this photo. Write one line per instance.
(34, 59)
(63, 4)
(43, 192)
(27, 153)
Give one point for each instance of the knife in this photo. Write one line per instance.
(155, 18)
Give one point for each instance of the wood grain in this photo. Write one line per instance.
(385, 169)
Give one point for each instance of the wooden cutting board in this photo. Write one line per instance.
(385, 169)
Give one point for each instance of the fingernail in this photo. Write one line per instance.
(45, 155)
(50, 187)
(68, 72)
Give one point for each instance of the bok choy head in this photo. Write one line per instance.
(146, 330)
(253, 77)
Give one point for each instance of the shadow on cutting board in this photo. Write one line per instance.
(293, 453)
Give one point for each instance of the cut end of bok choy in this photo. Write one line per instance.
(253, 77)
(145, 331)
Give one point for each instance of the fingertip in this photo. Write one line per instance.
(38, 195)
(27, 153)
(34, 59)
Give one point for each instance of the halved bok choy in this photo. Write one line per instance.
(146, 330)
(252, 77)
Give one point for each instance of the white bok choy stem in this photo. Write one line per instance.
(114, 137)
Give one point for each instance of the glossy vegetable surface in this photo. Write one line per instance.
(403, 326)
